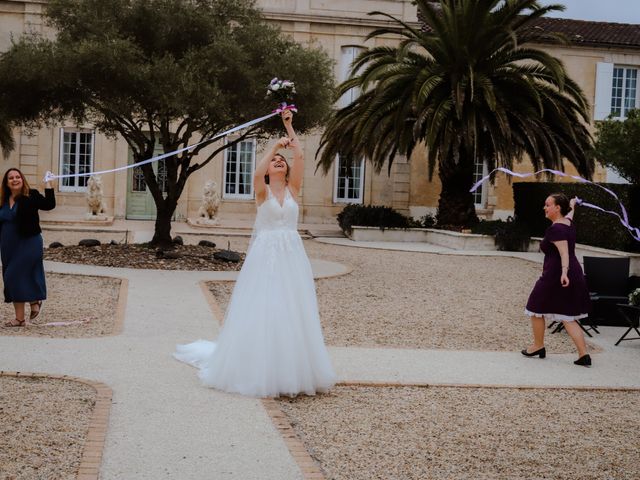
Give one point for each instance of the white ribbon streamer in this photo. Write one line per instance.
(51, 176)
(624, 217)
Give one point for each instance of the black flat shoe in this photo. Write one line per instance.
(584, 360)
(541, 353)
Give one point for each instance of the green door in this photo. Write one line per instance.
(140, 204)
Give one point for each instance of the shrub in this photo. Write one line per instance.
(487, 227)
(594, 228)
(512, 236)
(373, 216)
(428, 221)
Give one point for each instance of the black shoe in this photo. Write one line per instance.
(541, 353)
(584, 360)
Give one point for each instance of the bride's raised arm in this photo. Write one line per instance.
(296, 173)
(259, 185)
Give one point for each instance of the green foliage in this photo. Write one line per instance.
(372, 216)
(487, 227)
(512, 236)
(470, 86)
(618, 145)
(593, 227)
(428, 221)
(168, 72)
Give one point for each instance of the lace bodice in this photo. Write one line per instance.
(273, 216)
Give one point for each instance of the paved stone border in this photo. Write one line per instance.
(93, 449)
(211, 300)
(308, 466)
(356, 383)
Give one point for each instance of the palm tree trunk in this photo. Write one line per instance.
(455, 206)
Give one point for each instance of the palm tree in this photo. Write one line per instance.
(471, 87)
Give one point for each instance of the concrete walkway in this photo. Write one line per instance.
(164, 425)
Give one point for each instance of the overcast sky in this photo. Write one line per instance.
(622, 11)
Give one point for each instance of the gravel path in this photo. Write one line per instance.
(43, 424)
(422, 300)
(71, 298)
(449, 433)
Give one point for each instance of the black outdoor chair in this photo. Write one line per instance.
(584, 323)
(631, 314)
(609, 285)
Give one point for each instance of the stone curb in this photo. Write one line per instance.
(92, 452)
(309, 467)
(356, 383)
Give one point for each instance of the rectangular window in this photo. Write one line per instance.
(76, 156)
(624, 91)
(349, 181)
(348, 56)
(480, 195)
(238, 170)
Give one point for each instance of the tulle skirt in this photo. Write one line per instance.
(271, 342)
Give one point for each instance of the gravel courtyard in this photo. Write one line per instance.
(459, 433)
(91, 301)
(422, 300)
(391, 299)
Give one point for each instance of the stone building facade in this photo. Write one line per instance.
(603, 58)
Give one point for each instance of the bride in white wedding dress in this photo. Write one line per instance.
(271, 341)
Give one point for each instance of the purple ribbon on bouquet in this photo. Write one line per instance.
(284, 106)
(624, 218)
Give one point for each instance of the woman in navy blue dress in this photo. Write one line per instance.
(561, 293)
(21, 247)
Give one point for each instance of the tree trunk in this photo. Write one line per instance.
(162, 234)
(455, 207)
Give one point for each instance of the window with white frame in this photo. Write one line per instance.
(480, 195)
(348, 55)
(76, 157)
(616, 90)
(624, 91)
(349, 178)
(349, 181)
(239, 164)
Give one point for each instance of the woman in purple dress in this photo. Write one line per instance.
(561, 292)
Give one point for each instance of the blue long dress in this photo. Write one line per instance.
(22, 260)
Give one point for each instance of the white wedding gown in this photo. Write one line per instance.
(271, 341)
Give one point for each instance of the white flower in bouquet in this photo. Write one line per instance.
(281, 91)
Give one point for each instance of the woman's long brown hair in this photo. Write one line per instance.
(5, 192)
(286, 176)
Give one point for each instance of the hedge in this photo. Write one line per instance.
(594, 228)
(372, 216)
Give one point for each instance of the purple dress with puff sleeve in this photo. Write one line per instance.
(549, 298)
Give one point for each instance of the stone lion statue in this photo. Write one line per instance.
(94, 197)
(208, 211)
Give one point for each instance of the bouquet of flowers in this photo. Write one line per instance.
(282, 92)
(634, 297)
